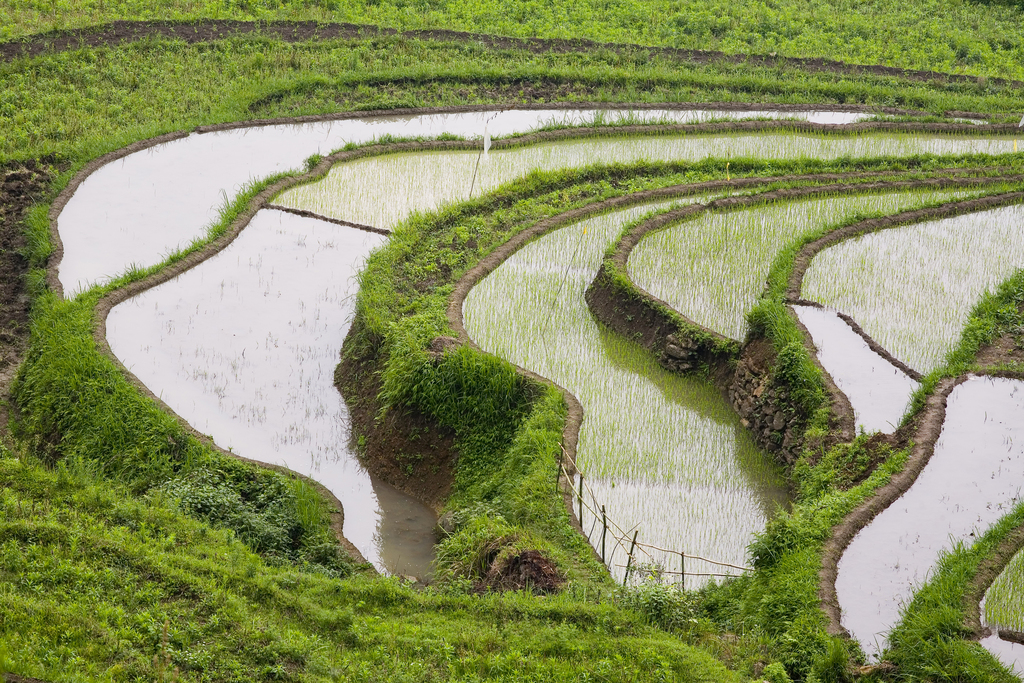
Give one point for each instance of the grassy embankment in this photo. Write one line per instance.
(959, 36)
(398, 317)
(781, 599)
(123, 94)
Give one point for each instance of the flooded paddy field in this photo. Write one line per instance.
(879, 392)
(243, 347)
(712, 268)
(666, 455)
(974, 477)
(911, 288)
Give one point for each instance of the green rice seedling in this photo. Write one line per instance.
(712, 269)
(382, 191)
(664, 454)
(912, 288)
(1005, 598)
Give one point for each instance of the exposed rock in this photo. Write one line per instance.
(445, 525)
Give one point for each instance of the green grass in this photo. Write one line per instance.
(945, 35)
(101, 585)
(712, 269)
(82, 103)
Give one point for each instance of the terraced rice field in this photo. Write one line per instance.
(892, 284)
(664, 454)
(243, 346)
(712, 269)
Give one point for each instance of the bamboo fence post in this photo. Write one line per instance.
(581, 500)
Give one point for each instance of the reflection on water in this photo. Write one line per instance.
(974, 477)
(243, 347)
(664, 454)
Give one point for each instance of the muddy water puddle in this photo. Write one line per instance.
(878, 390)
(244, 346)
(974, 477)
(666, 455)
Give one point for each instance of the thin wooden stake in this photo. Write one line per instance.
(558, 472)
(604, 531)
(629, 560)
(581, 500)
(682, 570)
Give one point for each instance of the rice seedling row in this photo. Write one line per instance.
(912, 288)
(364, 191)
(1001, 612)
(664, 454)
(712, 269)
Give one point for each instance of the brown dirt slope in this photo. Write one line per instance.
(21, 185)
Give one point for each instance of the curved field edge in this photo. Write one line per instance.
(141, 90)
(812, 534)
(562, 27)
(100, 584)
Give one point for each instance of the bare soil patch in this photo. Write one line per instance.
(1007, 348)
(405, 448)
(529, 570)
(21, 185)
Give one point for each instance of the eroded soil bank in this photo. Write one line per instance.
(21, 185)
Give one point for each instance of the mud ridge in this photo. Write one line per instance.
(634, 313)
(207, 30)
(872, 344)
(928, 426)
(21, 186)
(327, 219)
